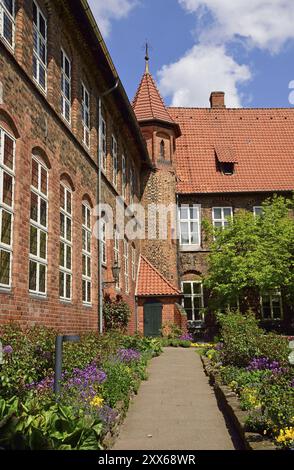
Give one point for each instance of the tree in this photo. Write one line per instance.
(254, 254)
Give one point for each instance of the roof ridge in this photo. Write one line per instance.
(159, 273)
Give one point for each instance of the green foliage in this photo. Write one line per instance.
(32, 425)
(170, 330)
(119, 384)
(274, 347)
(152, 346)
(253, 255)
(240, 335)
(278, 403)
(116, 314)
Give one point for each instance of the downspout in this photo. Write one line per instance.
(98, 201)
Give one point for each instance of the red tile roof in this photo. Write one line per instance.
(148, 104)
(152, 283)
(261, 139)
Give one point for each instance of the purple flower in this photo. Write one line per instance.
(107, 415)
(128, 355)
(186, 337)
(219, 346)
(264, 363)
(44, 385)
(8, 350)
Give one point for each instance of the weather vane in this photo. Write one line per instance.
(147, 57)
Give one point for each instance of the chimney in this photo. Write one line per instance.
(217, 100)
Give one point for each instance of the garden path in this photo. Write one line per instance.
(175, 409)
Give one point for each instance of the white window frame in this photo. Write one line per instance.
(66, 242)
(6, 15)
(40, 229)
(103, 145)
(87, 253)
(36, 51)
(271, 295)
(4, 207)
(193, 297)
(257, 210)
(103, 229)
(65, 79)
(190, 220)
(114, 154)
(223, 220)
(134, 263)
(86, 116)
(116, 251)
(126, 266)
(124, 177)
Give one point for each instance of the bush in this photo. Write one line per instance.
(240, 334)
(274, 347)
(119, 383)
(116, 314)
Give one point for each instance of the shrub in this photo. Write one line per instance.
(240, 334)
(119, 383)
(274, 347)
(171, 331)
(116, 314)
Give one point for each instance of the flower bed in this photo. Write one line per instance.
(100, 374)
(255, 367)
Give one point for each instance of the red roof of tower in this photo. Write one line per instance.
(152, 283)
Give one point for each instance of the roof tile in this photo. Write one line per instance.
(151, 282)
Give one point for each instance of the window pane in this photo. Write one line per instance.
(44, 180)
(194, 212)
(4, 267)
(62, 255)
(68, 208)
(7, 189)
(7, 29)
(43, 213)
(194, 233)
(6, 228)
(185, 233)
(8, 151)
(218, 224)
(9, 6)
(217, 213)
(184, 213)
(189, 313)
(89, 292)
(35, 172)
(33, 241)
(197, 288)
(43, 245)
(61, 284)
(188, 302)
(88, 266)
(68, 286)
(33, 276)
(68, 257)
(62, 225)
(68, 229)
(62, 197)
(84, 265)
(187, 288)
(42, 278)
(227, 212)
(197, 303)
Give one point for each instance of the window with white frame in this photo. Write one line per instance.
(126, 265)
(272, 306)
(7, 21)
(38, 228)
(7, 157)
(221, 216)
(124, 177)
(65, 87)
(116, 250)
(40, 47)
(65, 257)
(86, 115)
(114, 160)
(87, 254)
(103, 145)
(190, 227)
(257, 211)
(193, 301)
(132, 184)
(134, 263)
(103, 241)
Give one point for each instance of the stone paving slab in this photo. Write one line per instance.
(175, 409)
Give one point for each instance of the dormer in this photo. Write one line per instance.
(226, 159)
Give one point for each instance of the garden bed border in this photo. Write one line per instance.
(231, 405)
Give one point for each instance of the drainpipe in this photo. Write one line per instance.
(98, 200)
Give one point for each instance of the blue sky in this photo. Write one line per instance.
(242, 47)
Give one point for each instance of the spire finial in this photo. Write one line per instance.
(147, 58)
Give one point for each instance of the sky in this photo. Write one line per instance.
(242, 47)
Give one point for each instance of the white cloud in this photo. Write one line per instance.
(107, 10)
(204, 68)
(266, 24)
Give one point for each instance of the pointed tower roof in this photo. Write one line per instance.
(152, 283)
(148, 104)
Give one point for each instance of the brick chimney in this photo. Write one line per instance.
(217, 100)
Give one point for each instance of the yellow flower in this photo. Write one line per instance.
(97, 401)
(286, 436)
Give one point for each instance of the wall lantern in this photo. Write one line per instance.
(115, 274)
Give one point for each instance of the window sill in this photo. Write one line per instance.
(190, 248)
(87, 305)
(5, 290)
(40, 297)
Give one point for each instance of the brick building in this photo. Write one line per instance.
(212, 162)
(70, 139)
(50, 84)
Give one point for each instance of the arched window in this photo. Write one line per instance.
(87, 253)
(40, 47)
(162, 150)
(7, 157)
(38, 228)
(116, 250)
(65, 257)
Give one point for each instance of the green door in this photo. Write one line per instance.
(152, 319)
